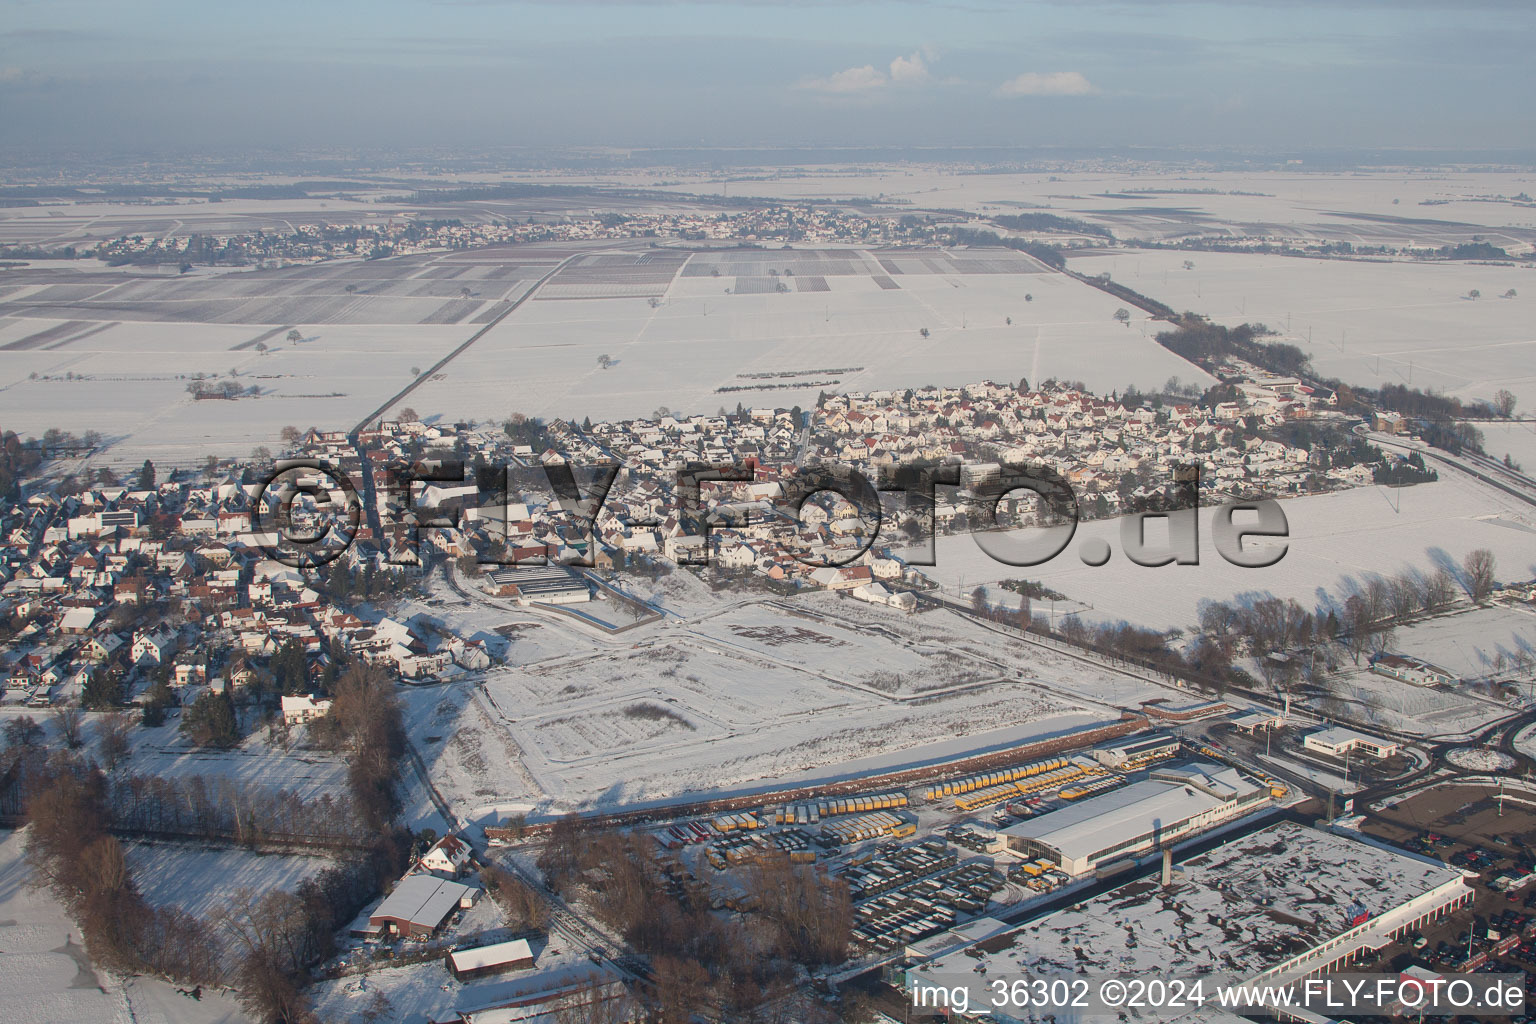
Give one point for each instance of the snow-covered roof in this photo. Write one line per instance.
(421, 900)
(493, 955)
(1241, 907)
(1086, 828)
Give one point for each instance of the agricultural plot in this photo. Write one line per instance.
(131, 383)
(688, 352)
(615, 276)
(1365, 323)
(1337, 541)
(122, 358)
(399, 290)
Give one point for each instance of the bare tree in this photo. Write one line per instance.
(69, 721)
(1123, 315)
(1439, 591)
(22, 731)
(1474, 294)
(605, 360)
(112, 738)
(1479, 570)
(1504, 402)
(1357, 626)
(294, 337)
(290, 434)
(1403, 595)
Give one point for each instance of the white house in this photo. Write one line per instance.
(153, 647)
(304, 708)
(447, 858)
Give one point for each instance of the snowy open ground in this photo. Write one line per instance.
(200, 880)
(739, 696)
(1293, 204)
(1516, 440)
(45, 977)
(130, 383)
(1365, 323)
(542, 360)
(1419, 710)
(1478, 644)
(105, 364)
(1337, 541)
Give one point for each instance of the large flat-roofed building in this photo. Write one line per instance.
(1284, 903)
(1337, 741)
(543, 584)
(1175, 802)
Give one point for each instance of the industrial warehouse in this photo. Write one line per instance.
(1173, 802)
(1284, 903)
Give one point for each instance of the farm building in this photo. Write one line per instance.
(1176, 802)
(419, 905)
(513, 955)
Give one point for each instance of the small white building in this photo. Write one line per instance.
(1412, 670)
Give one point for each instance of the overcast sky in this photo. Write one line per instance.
(1272, 74)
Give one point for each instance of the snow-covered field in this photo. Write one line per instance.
(1515, 439)
(130, 383)
(200, 880)
(128, 378)
(1479, 644)
(1365, 323)
(1336, 542)
(1301, 204)
(46, 978)
(163, 752)
(542, 360)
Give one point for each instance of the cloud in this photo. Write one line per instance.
(1047, 83)
(911, 70)
(908, 70)
(849, 80)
